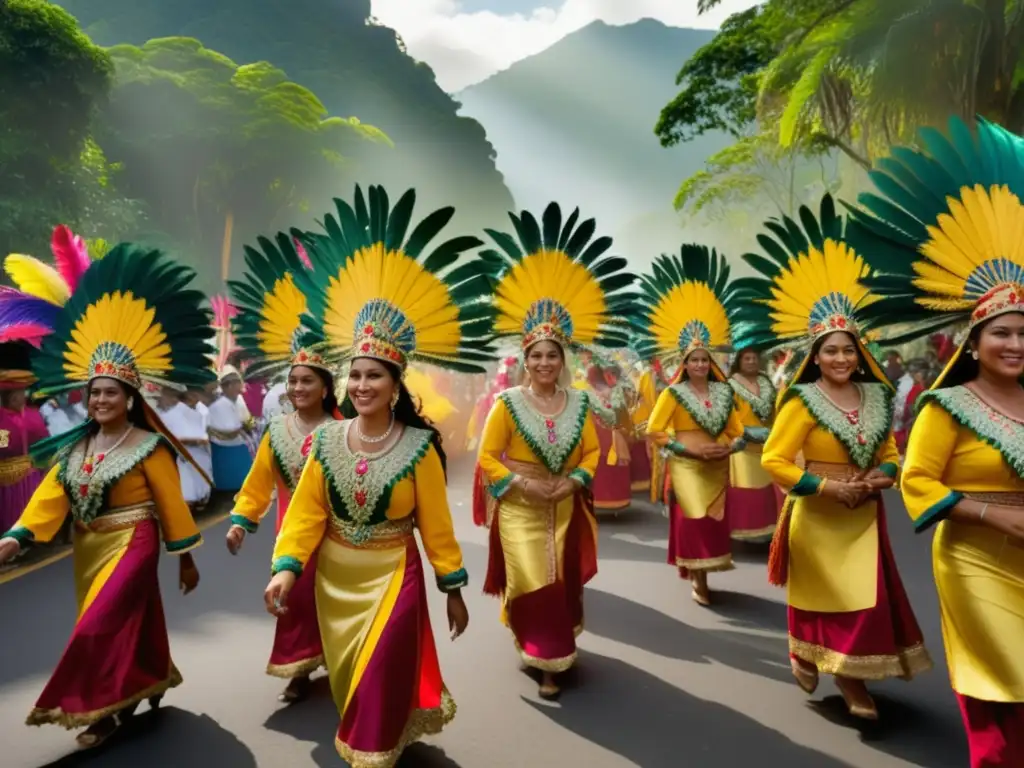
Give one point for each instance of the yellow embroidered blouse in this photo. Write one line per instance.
(143, 475)
(565, 444)
(979, 573)
(277, 466)
(670, 417)
(824, 532)
(361, 497)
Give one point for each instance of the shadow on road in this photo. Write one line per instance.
(170, 738)
(651, 723)
(631, 623)
(316, 720)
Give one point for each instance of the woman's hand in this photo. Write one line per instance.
(276, 595)
(1008, 521)
(563, 489)
(188, 574)
(458, 614)
(849, 493)
(539, 491)
(235, 537)
(8, 549)
(711, 451)
(878, 480)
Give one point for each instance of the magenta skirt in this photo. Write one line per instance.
(14, 498)
(995, 732)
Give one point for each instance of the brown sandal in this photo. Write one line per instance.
(865, 710)
(806, 678)
(98, 732)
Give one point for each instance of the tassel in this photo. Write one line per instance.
(479, 499)
(495, 582)
(778, 556)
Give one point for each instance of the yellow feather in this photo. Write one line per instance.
(376, 273)
(123, 319)
(283, 308)
(551, 275)
(684, 303)
(37, 279)
(434, 405)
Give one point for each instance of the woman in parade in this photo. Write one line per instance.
(129, 320)
(20, 426)
(610, 401)
(268, 328)
(848, 612)
(753, 497)
(964, 472)
(687, 309)
(381, 301)
(539, 450)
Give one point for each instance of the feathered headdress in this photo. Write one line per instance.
(554, 285)
(224, 313)
(946, 231)
(131, 318)
(28, 312)
(16, 372)
(269, 325)
(811, 286)
(376, 291)
(688, 304)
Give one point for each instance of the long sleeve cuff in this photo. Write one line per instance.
(807, 485)
(244, 523)
(20, 534)
(739, 444)
(453, 581)
(502, 486)
(581, 476)
(181, 546)
(756, 434)
(286, 563)
(889, 468)
(675, 448)
(937, 512)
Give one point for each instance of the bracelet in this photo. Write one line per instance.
(821, 486)
(981, 517)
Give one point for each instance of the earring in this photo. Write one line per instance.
(394, 400)
(974, 354)
(131, 403)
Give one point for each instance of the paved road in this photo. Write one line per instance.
(660, 682)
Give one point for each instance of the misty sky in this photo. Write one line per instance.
(466, 41)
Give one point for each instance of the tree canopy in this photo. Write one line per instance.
(851, 76)
(52, 81)
(204, 141)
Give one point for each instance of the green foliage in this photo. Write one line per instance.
(52, 79)
(356, 67)
(201, 137)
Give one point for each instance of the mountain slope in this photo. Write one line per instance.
(575, 123)
(356, 67)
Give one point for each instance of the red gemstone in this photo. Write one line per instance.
(83, 490)
(365, 348)
(362, 467)
(861, 440)
(841, 322)
(307, 444)
(707, 403)
(361, 498)
(368, 330)
(549, 423)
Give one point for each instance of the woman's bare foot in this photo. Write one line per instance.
(806, 674)
(548, 687)
(297, 690)
(97, 733)
(701, 594)
(858, 700)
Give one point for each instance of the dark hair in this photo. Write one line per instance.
(812, 371)
(734, 366)
(406, 412)
(327, 379)
(136, 414)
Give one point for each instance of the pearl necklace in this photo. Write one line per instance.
(379, 438)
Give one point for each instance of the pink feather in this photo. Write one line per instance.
(33, 334)
(70, 256)
(301, 250)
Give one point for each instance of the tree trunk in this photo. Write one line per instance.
(225, 251)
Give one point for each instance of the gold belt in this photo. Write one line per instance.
(999, 498)
(120, 518)
(827, 470)
(530, 470)
(14, 470)
(391, 534)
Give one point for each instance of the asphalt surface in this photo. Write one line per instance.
(660, 681)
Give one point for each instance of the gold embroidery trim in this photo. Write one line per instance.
(120, 518)
(720, 563)
(829, 471)
(754, 533)
(905, 664)
(296, 668)
(1000, 498)
(422, 722)
(73, 720)
(14, 470)
(388, 535)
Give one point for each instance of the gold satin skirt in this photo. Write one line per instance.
(979, 575)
